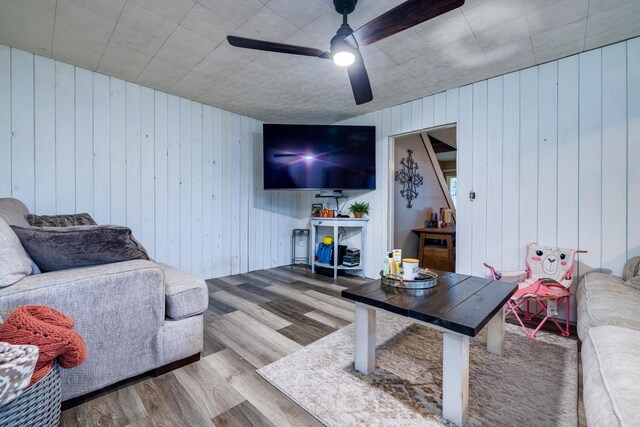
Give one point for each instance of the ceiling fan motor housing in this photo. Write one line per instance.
(345, 6)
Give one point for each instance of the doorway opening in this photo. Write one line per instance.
(423, 196)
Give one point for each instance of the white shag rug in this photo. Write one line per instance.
(533, 383)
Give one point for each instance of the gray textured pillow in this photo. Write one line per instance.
(634, 282)
(59, 220)
(15, 265)
(631, 268)
(61, 248)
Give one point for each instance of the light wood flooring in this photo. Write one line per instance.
(253, 319)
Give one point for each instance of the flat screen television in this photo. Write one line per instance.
(299, 157)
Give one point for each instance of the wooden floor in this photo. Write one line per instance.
(252, 320)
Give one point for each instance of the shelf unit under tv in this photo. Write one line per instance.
(337, 223)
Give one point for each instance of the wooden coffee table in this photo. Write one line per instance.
(459, 305)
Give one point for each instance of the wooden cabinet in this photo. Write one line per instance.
(440, 257)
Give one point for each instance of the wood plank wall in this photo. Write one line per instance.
(186, 177)
(552, 152)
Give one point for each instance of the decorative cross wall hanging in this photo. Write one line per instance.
(409, 178)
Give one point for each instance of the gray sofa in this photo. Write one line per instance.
(134, 316)
(609, 328)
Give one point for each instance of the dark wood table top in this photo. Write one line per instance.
(443, 230)
(460, 303)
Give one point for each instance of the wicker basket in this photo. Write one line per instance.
(38, 406)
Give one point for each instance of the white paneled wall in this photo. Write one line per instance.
(552, 152)
(186, 177)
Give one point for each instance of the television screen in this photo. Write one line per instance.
(319, 157)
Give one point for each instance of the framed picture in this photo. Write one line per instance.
(316, 209)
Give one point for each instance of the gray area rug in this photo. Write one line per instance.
(533, 383)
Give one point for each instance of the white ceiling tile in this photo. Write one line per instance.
(492, 13)
(533, 5)
(300, 38)
(230, 57)
(559, 51)
(160, 72)
(439, 34)
(423, 66)
(406, 50)
(323, 28)
(465, 51)
(266, 25)
(510, 51)
(180, 57)
(601, 6)
(470, 4)
(109, 9)
(71, 36)
(210, 71)
(147, 22)
(173, 10)
(436, 55)
(67, 37)
(558, 36)
(504, 34)
(296, 12)
(613, 35)
(202, 21)
(136, 40)
(624, 16)
(75, 53)
(377, 59)
(557, 15)
(25, 26)
(84, 19)
(236, 11)
(21, 37)
(121, 61)
(513, 64)
(184, 39)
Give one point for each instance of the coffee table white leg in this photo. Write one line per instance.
(365, 338)
(455, 378)
(495, 333)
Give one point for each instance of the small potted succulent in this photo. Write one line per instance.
(359, 208)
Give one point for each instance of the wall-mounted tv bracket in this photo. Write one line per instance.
(336, 194)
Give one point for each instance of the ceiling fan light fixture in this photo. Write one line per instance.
(344, 58)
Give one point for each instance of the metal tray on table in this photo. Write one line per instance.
(426, 279)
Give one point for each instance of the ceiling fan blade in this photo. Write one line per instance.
(401, 17)
(276, 47)
(360, 81)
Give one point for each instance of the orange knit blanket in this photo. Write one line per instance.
(48, 329)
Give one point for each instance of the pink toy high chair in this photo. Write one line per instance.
(545, 282)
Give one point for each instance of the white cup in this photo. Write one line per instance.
(410, 266)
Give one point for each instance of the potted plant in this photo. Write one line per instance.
(359, 208)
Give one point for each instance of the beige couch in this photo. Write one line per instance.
(135, 316)
(609, 328)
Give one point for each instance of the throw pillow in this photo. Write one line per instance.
(59, 220)
(15, 265)
(634, 282)
(631, 268)
(61, 248)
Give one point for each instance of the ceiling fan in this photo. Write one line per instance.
(345, 45)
